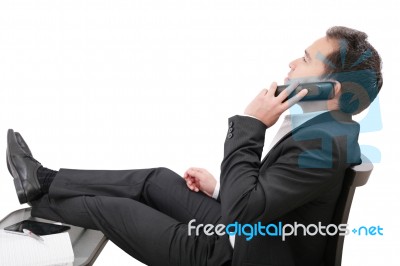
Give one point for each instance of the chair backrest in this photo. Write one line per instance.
(355, 176)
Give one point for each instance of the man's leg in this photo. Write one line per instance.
(160, 188)
(135, 227)
(143, 232)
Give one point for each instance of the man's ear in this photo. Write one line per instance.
(337, 88)
(333, 104)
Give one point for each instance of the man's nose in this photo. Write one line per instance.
(293, 64)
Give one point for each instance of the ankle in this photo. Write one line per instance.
(45, 178)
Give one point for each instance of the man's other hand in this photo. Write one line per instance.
(199, 179)
(267, 108)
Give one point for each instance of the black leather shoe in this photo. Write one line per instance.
(23, 144)
(23, 167)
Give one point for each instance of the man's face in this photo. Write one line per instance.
(309, 67)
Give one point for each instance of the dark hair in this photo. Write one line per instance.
(357, 66)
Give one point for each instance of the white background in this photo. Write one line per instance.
(134, 84)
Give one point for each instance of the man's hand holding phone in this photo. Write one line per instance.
(267, 107)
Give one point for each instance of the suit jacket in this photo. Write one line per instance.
(299, 180)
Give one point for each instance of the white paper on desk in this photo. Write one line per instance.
(20, 250)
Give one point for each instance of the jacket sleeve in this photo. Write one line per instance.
(295, 178)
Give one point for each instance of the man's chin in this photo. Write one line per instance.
(286, 81)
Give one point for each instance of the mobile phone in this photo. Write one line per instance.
(38, 228)
(317, 91)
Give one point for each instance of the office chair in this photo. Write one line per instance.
(355, 176)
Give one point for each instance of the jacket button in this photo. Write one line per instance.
(230, 124)
(230, 135)
(230, 130)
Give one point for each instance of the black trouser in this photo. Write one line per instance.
(145, 212)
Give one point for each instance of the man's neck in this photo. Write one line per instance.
(313, 106)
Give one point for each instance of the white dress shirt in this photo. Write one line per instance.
(289, 123)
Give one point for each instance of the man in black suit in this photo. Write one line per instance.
(146, 212)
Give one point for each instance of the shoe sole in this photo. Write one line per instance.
(17, 180)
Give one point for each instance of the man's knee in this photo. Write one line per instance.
(166, 170)
(167, 174)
